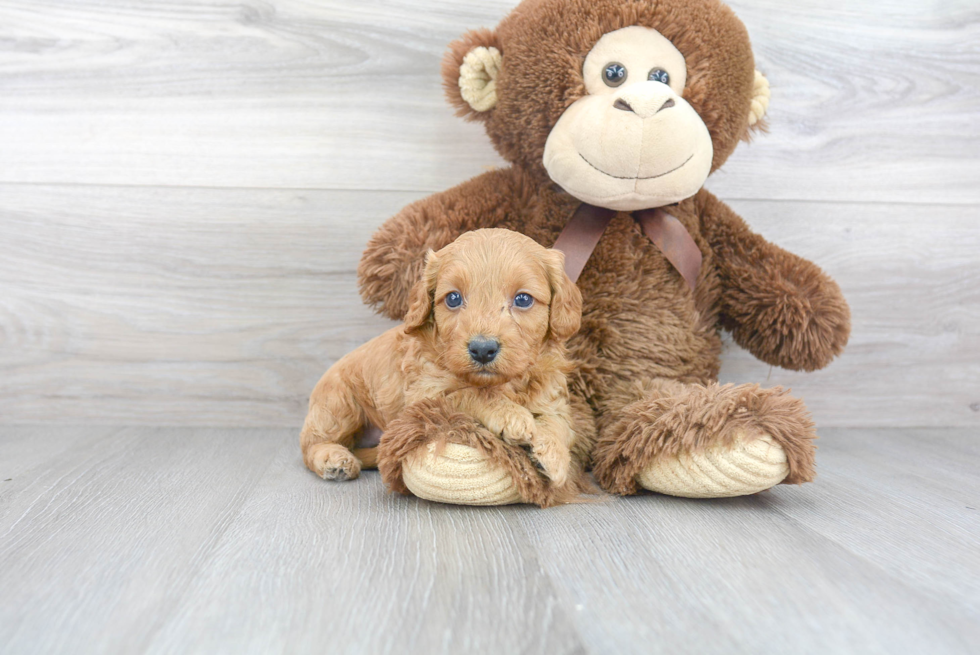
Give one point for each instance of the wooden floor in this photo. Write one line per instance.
(179, 540)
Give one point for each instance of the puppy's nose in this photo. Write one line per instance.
(483, 350)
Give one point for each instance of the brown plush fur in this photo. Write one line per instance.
(520, 397)
(435, 420)
(640, 321)
(669, 417)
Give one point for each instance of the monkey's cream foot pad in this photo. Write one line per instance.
(746, 467)
(459, 475)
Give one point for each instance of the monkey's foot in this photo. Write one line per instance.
(438, 454)
(743, 468)
(460, 475)
(705, 441)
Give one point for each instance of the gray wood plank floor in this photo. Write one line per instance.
(194, 540)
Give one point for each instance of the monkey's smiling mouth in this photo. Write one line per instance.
(651, 177)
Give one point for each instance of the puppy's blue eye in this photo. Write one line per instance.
(614, 74)
(454, 300)
(659, 75)
(523, 300)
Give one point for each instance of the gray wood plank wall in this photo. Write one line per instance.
(185, 189)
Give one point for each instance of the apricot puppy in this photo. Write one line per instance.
(485, 329)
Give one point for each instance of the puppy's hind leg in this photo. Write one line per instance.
(333, 420)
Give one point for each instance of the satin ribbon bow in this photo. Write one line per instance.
(586, 226)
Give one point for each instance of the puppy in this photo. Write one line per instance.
(485, 329)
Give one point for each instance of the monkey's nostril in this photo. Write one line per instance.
(622, 104)
(667, 105)
(483, 350)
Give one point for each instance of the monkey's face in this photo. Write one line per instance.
(632, 142)
(626, 104)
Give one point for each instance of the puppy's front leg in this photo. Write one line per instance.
(548, 435)
(511, 422)
(550, 446)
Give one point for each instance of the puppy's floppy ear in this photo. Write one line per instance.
(566, 299)
(423, 295)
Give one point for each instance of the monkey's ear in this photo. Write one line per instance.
(469, 73)
(760, 102)
(422, 296)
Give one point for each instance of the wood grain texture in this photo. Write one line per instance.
(113, 532)
(223, 307)
(219, 541)
(185, 188)
(20, 449)
(871, 100)
(926, 477)
(356, 569)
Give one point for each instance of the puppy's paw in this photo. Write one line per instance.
(332, 461)
(517, 428)
(555, 461)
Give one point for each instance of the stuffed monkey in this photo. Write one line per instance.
(612, 114)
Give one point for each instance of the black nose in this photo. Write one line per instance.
(483, 350)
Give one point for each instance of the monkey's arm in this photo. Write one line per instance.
(394, 257)
(780, 307)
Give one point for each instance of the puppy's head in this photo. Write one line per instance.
(490, 302)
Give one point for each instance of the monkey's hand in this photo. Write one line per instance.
(778, 306)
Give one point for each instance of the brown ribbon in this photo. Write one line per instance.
(581, 235)
(584, 229)
(674, 241)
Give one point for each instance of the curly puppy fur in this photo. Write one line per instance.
(519, 398)
(640, 322)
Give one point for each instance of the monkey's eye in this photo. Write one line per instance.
(454, 300)
(523, 300)
(614, 74)
(659, 75)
